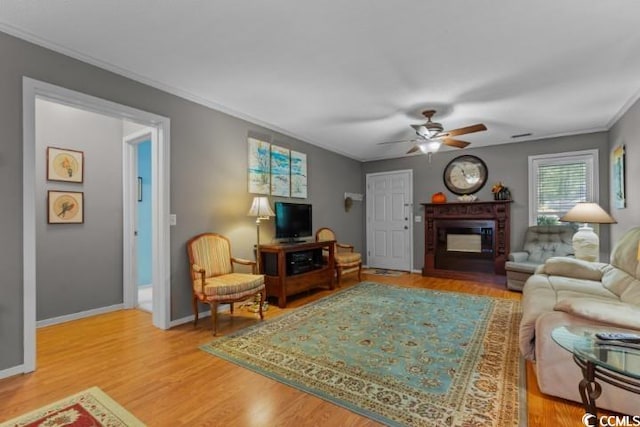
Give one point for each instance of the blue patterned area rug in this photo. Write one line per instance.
(400, 356)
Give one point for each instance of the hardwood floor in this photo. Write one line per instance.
(165, 380)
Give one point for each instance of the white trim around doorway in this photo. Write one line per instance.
(32, 89)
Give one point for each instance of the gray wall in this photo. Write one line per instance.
(507, 163)
(66, 262)
(208, 175)
(627, 132)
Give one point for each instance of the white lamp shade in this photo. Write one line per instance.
(260, 208)
(588, 212)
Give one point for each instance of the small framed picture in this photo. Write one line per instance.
(65, 207)
(617, 177)
(65, 165)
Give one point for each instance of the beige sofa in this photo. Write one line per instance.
(570, 292)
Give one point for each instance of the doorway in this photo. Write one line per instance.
(34, 89)
(390, 220)
(138, 243)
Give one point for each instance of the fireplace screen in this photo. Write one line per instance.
(466, 245)
(464, 242)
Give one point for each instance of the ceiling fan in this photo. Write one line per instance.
(431, 135)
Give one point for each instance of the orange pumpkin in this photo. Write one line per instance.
(439, 197)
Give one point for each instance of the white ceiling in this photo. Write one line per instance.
(349, 74)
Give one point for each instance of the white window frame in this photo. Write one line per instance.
(590, 157)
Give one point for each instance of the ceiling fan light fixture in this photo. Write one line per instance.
(428, 130)
(430, 147)
(422, 131)
(431, 135)
(434, 129)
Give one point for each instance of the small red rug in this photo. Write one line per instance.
(89, 408)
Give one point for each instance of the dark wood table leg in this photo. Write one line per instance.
(589, 391)
(282, 300)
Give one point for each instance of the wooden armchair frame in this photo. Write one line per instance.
(341, 266)
(200, 273)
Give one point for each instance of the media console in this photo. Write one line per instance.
(293, 268)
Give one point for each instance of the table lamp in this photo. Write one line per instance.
(261, 210)
(586, 243)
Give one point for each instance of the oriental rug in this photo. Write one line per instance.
(91, 407)
(400, 356)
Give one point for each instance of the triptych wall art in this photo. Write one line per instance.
(298, 175)
(276, 170)
(65, 165)
(280, 172)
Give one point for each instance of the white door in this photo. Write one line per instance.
(389, 220)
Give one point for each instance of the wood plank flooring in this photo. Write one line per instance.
(165, 380)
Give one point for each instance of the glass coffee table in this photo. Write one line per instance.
(613, 362)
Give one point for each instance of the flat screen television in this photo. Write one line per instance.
(293, 220)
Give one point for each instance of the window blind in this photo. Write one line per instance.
(559, 187)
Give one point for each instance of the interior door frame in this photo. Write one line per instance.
(409, 210)
(129, 213)
(32, 89)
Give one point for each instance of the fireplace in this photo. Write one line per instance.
(466, 240)
(465, 245)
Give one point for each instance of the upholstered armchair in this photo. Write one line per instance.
(540, 243)
(214, 280)
(346, 260)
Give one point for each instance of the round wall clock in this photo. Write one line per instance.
(465, 175)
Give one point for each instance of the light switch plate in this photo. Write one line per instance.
(418, 218)
(172, 219)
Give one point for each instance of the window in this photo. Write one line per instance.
(558, 181)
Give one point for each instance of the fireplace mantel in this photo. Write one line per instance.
(490, 218)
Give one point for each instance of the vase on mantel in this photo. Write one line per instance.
(502, 194)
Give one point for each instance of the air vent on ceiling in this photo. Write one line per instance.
(521, 135)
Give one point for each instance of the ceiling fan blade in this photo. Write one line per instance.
(465, 130)
(455, 142)
(413, 149)
(396, 142)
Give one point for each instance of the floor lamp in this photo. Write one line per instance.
(586, 243)
(261, 210)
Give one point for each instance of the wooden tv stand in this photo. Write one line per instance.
(293, 268)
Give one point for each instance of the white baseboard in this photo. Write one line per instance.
(189, 318)
(221, 309)
(80, 315)
(10, 372)
(418, 271)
